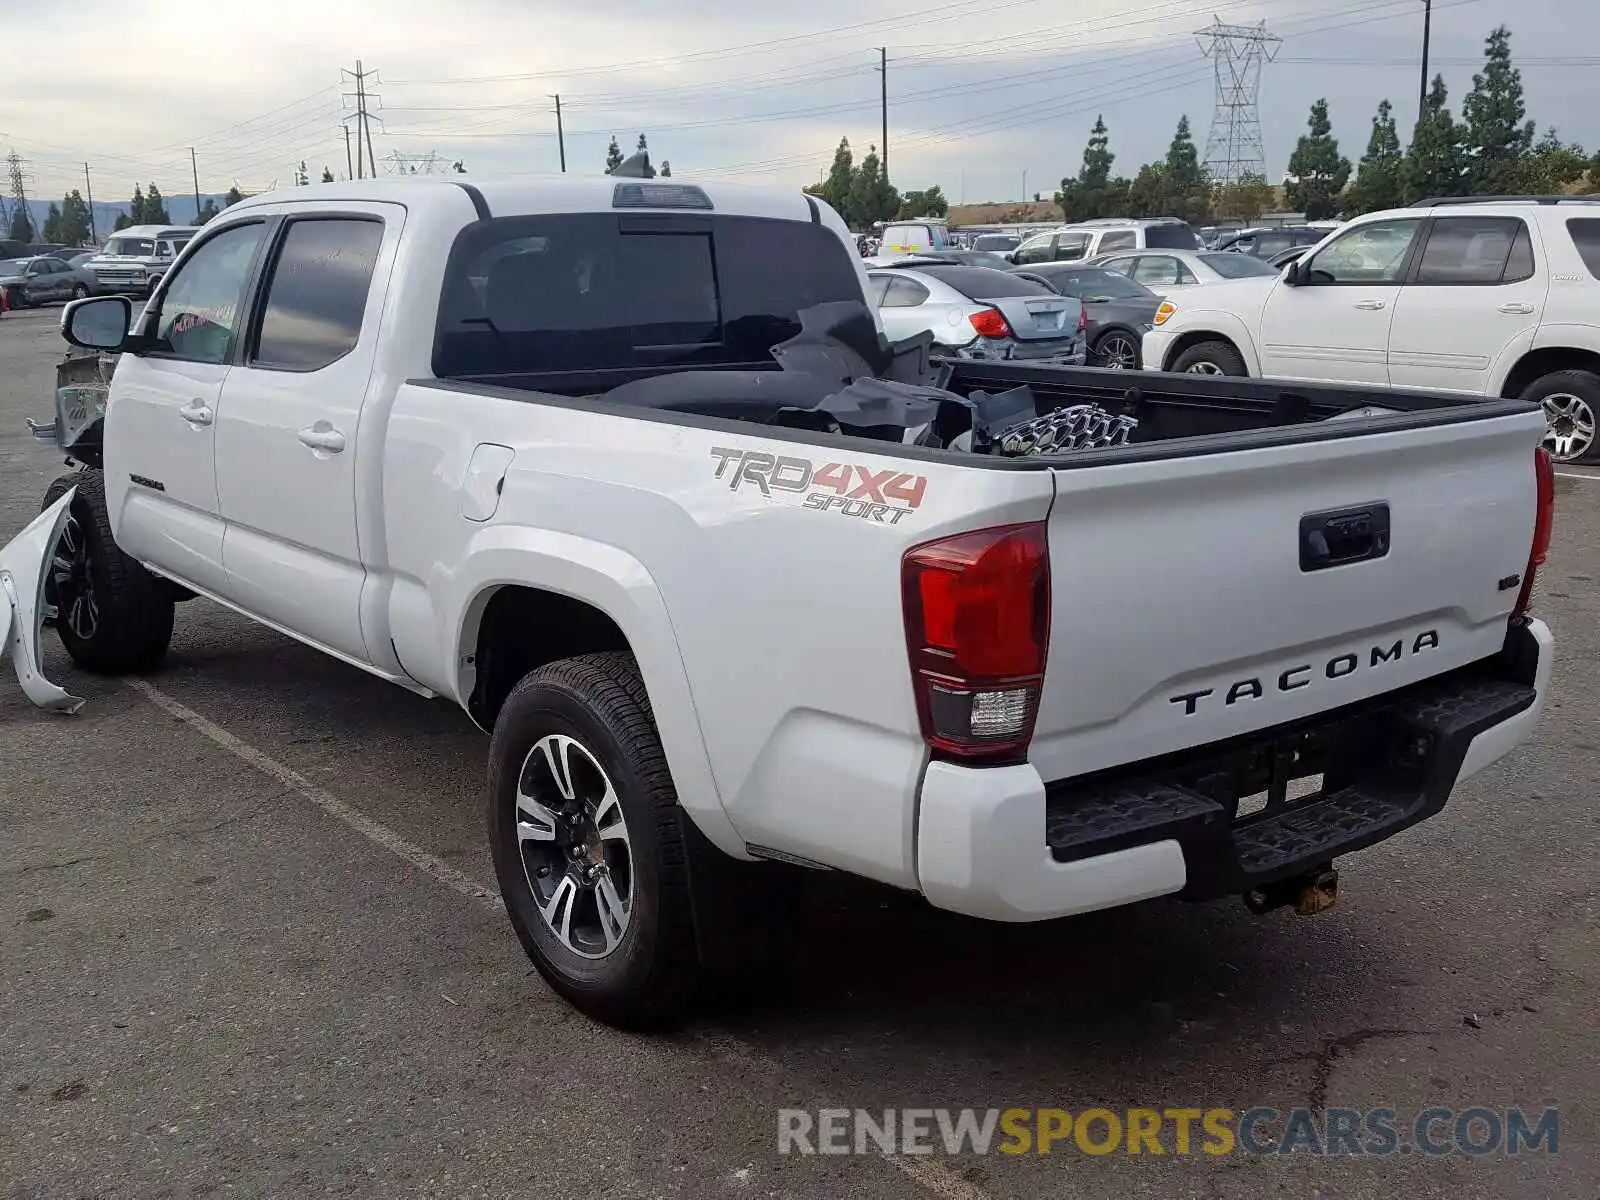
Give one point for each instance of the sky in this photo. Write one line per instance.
(991, 101)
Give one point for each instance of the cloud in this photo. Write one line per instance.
(981, 99)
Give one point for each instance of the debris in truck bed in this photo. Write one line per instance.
(1078, 427)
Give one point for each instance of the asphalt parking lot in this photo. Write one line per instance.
(250, 948)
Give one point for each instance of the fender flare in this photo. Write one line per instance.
(619, 585)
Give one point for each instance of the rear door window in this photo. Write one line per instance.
(1070, 247)
(1120, 239)
(1585, 232)
(579, 293)
(318, 293)
(1475, 250)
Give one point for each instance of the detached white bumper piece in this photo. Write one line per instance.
(24, 567)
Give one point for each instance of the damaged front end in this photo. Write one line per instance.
(25, 564)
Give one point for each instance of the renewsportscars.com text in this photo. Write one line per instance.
(1377, 1132)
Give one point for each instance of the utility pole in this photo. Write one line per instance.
(89, 187)
(194, 171)
(349, 167)
(1427, 22)
(883, 98)
(19, 195)
(363, 96)
(561, 140)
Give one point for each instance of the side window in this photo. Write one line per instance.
(904, 293)
(1070, 247)
(1120, 239)
(877, 286)
(39, 267)
(317, 294)
(199, 310)
(1585, 234)
(1185, 275)
(1474, 250)
(1373, 253)
(1157, 269)
(1123, 266)
(1035, 249)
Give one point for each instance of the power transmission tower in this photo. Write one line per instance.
(364, 97)
(1237, 52)
(19, 193)
(397, 163)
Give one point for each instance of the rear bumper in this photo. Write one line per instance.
(999, 843)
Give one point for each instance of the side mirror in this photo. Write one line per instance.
(97, 323)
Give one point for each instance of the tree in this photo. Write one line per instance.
(1246, 198)
(75, 226)
(21, 224)
(301, 178)
(641, 148)
(136, 208)
(155, 207)
(233, 197)
(1549, 167)
(1317, 171)
(52, 225)
(872, 197)
(613, 155)
(1149, 194)
(666, 169)
(1380, 182)
(1434, 165)
(841, 177)
(459, 167)
(1092, 193)
(327, 175)
(1188, 190)
(123, 221)
(1497, 137)
(927, 203)
(208, 210)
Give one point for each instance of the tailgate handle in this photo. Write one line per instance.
(1349, 535)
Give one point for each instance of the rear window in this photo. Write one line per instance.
(606, 292)
(1585, 233)
(1001, 242)
(1096, 281)
(985, 283)
(1230, 265)
(1171, 237)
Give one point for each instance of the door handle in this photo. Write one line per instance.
(196, 412)
(322, 436)
(1372, 305)
(1518, 310)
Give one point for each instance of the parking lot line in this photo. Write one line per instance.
(1574, 475)
(928, 1173)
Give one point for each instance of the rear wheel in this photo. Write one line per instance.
(1211, 358)
(80, 291)
(1571, 401)
(111, 614)
(589, 842)
(1117, 351)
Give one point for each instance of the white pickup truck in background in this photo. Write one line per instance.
(627, 470)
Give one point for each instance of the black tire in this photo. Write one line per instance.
(1571, 400)
(1107, 341)
(131, 625)
(80, 291)
(1220, 357)
(652, 975)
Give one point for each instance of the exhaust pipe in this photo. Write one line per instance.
(1313, 892)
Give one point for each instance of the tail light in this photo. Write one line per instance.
(1083, 318)
(1544, 472)
(991, 322)
(977, 610)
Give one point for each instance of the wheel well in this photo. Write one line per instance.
(1187, 340)
(524, 629)
(1538, 363)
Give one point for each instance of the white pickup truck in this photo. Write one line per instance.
(627, 471)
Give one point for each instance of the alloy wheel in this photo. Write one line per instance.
(573, 840)
(1118, 353)
(1570, 426)
(70, 596)
(1204, 368)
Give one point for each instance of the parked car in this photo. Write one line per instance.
(978, 312)
(1498, 296)
(1266, 242)
(135, 259)
(914, 237)
(996, 243)
(30, 282)
(1119, 310)
(1166, 270)
(984, 680)
(1091, 239)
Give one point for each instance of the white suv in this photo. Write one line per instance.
(1090, 239)
(1499, 296)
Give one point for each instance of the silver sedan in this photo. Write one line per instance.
(978, 312)
(1163, 270)
(31, 281)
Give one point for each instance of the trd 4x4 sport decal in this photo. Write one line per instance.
(850, 488)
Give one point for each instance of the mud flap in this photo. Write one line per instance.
(24, 562)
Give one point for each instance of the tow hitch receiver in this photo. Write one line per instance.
(1313, 892)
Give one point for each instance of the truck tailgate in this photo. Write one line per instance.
(1193, 598)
